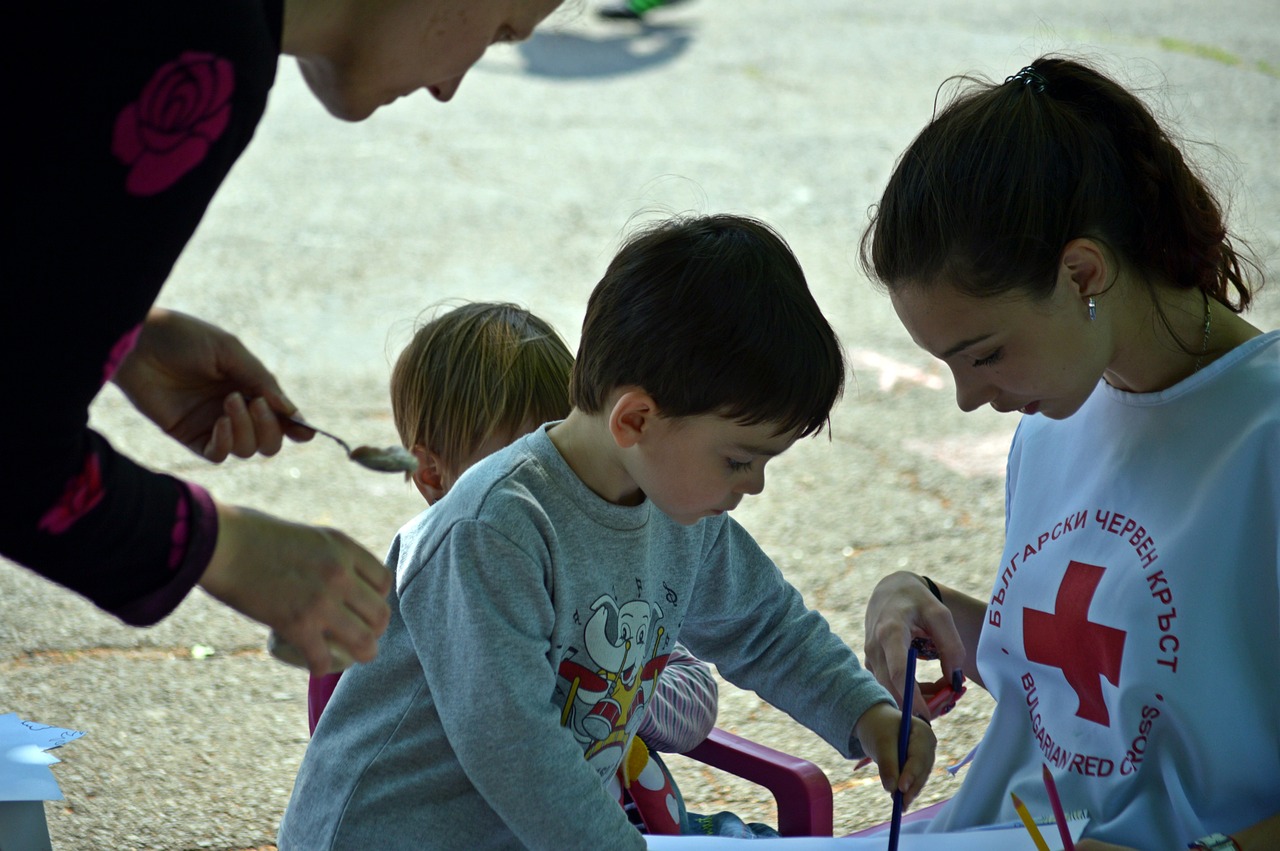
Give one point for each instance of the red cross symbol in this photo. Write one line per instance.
(1066, 638)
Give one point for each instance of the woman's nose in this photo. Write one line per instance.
(971, 393)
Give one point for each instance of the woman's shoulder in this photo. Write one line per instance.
(1247, 379)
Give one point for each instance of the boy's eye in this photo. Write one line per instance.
(738, 466)
(989, 359)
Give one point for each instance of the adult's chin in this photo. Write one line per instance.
(323, 83)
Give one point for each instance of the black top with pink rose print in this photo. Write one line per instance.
(124, 118)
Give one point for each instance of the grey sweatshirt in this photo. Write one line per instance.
(530, 621)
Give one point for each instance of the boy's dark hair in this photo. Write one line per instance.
(710, 315)
(990, 192)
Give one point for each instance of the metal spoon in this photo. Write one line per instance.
(391, 459)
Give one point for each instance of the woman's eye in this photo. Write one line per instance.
(738, 466)
(989, 359)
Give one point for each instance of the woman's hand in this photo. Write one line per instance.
(902, 608)
(193, 380)
(320, 591)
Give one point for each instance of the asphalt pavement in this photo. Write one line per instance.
(329, 240)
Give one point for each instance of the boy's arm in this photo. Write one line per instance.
(480, 618)
(788, 655)
(682, 711)
(755, 627)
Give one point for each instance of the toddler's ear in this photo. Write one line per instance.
(429, 476)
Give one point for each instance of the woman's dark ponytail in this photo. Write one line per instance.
(1006, 174)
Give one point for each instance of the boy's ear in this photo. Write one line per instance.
(1086, 266)
(632, 415)
(429, 476)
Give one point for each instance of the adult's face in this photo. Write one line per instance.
(1009, 352)
(371, 52)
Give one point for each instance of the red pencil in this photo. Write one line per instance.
(1058, 815)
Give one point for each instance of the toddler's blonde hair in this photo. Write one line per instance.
(478, 370)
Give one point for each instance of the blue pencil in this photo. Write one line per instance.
(904, 739)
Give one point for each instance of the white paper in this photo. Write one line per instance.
(1002, 838)
(24, 765)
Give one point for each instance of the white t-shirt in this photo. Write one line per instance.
(1133, 630)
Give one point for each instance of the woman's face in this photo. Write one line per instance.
(386, 49)
(1010, 352)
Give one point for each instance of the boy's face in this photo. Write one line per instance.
(696, 467)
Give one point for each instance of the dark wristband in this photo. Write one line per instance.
(933, 588)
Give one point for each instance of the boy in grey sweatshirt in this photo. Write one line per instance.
(537, 603)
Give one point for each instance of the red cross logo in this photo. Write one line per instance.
(1066, 639)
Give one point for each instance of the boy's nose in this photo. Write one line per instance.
(753, 485)
(445, 91)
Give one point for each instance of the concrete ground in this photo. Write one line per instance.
(329, 240)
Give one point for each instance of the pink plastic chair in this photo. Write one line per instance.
(319, 690)
(800, 788)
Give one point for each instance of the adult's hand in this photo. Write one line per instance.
(902, 608)
(205, 389)
(320, 591)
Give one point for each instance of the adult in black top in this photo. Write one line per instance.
(124, 119)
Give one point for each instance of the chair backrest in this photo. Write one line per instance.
(801, 789)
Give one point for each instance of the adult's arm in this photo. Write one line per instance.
(108, 180)
(120, 140)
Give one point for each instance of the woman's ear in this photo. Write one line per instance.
(429, 478)
(1086, 266)
(632, 415)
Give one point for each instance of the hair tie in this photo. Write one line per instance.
(1030, 77)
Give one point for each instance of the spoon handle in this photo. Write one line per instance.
(299, 421)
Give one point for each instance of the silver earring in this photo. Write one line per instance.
(1093, 310)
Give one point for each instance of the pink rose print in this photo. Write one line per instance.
(119, 351)
(168, 130)
(83, 493)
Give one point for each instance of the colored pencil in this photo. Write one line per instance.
(1041, 845)
(904, 739)
(1058, 815)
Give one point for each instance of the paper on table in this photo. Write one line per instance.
(1003, 838)
(24, 765)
